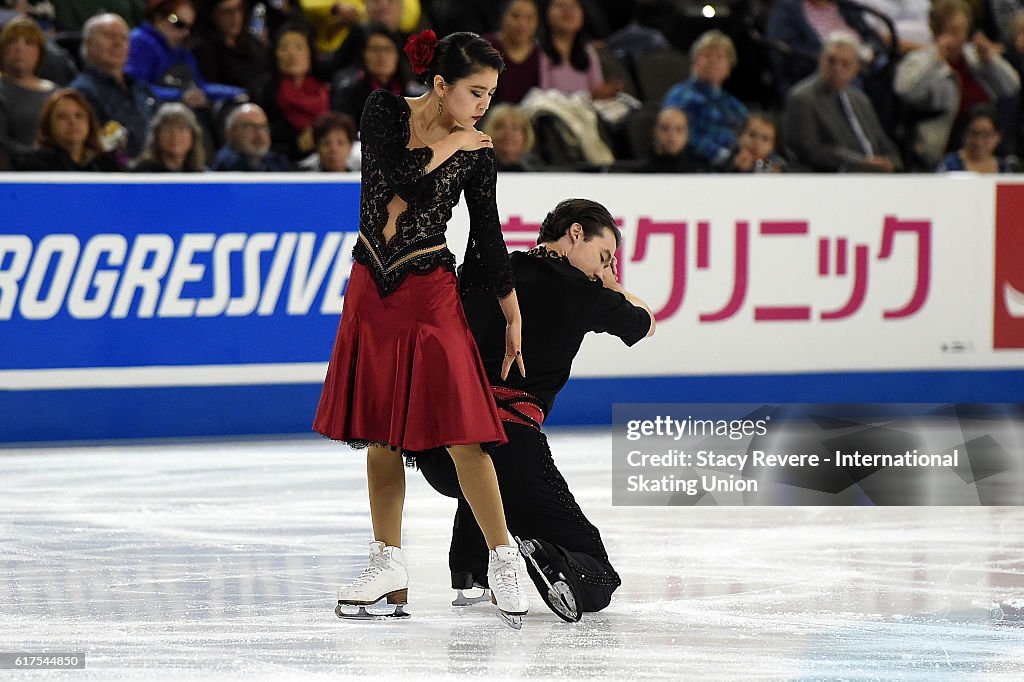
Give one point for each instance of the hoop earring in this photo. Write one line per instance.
(440, 107)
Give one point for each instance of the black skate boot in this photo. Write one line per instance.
(463, 581)
(551, 575)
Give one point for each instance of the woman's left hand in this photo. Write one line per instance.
(513, 348)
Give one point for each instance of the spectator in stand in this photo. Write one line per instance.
(513, 138)
(669, 150)
(941, 83)
(399, 17)
(279, 13)
(39, 11)
(713, 114)
(756, 146)
(997, 18)
(174, 143)
(69, 138)
(1015, 50)
(23, 93)
(449, 16)
(332, 22)
(56, 65)
(978, 154)
(159, 57)
(123, 104)
(1015, 56)
(290, 95)
(382, 68)
(517, 42)
(830, 125)
(72, 14)
(225, 51)
(335, 136)
(804, 25)
(568, 61)
(248, 143)
(909, 17)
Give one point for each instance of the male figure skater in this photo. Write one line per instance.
(567, 286)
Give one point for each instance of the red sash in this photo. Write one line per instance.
(518, 407)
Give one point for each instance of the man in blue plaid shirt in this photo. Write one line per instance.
(715, 115)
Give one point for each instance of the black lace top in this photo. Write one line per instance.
(390, 168)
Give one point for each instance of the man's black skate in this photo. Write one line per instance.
(463, 581)
(551, 575)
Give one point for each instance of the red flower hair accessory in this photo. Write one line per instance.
(420, 50)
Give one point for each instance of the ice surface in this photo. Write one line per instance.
(220, 560)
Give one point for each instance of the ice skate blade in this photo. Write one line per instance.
(559, 597)
(363, 614)
(514, 621)
(463, 600)
(563, 603)
(503, 611)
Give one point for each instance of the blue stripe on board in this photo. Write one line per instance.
(103, 414)
(588, 401)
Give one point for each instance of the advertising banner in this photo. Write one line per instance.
(147, 306)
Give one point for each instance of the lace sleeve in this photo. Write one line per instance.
(486, 266)
(384, 132)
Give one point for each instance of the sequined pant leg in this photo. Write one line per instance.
(538, 504)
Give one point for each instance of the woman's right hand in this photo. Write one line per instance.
(471, 139)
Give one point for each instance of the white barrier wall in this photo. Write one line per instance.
(796, 273)
(135, 307)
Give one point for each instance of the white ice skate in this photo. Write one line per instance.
(503, 577)
(384, 578)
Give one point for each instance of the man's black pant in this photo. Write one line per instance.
(538, 505)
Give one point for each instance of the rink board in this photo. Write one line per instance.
(149, 307)
(137, 413)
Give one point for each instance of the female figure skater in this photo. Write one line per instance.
(405, 372)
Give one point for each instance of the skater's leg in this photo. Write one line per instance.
(480, 489)
(539, 505)
(439, 471)
(385, 475)
(538, 502)
(386, 576)
(467, 557)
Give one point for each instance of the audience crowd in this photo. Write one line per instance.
(878, 86)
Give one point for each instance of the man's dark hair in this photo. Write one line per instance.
(592, 216)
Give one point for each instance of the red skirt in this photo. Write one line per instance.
(405, 369)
